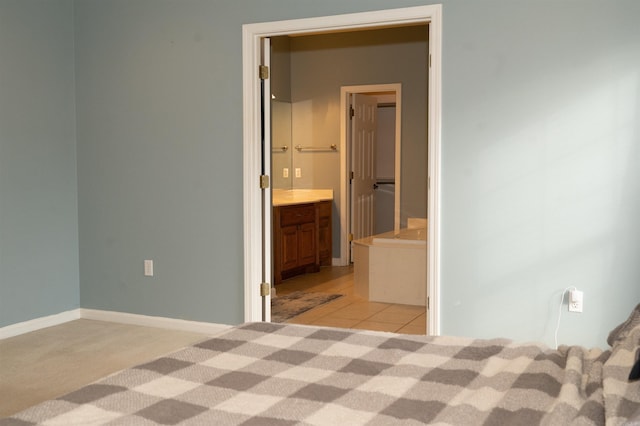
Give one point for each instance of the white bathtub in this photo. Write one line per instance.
(392, 267)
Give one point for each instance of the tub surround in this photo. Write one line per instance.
(415, 236)
(392, 267)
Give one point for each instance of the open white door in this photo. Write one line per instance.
(265, 173)
(364, 110)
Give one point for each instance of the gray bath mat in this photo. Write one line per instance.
(287, 306)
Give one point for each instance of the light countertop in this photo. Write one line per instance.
(285, 197)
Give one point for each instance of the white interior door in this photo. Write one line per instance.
(363, 164)
(265, 165)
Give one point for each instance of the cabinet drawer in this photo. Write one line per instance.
(295, 215)
(324, 208)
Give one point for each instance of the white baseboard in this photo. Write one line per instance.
(337, 261)
(38, 323)
(149, 321)
(118, 317)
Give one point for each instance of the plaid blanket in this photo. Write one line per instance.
(277, 374)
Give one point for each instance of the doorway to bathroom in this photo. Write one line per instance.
(255, 224)
(332, 130)
(373, 153)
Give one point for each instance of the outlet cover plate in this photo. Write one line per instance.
(575, 301)
(148, 268)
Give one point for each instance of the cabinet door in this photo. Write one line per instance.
(307, 244)
(324, 241)
(289, 244)
(324, 233)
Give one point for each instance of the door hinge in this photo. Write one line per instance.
(263, 72)
(350, 237)
(351, 175)
(429, 60)
(264, 181)
(352, 112)
(265, 289)
(428, 303)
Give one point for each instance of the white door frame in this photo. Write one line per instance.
(251, 39)
(345, 159)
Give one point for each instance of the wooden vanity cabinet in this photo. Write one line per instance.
(301, 239)
(294, 241)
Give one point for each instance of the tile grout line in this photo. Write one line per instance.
(343, 284)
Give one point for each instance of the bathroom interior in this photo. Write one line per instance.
(382, 273)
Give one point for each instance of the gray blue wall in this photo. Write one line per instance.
(540, 188)
(160, 158)
(320, 66)
(38, 193)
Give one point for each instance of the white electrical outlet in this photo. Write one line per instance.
(576, 299)
(285, 172)
(298, 172)
(148, 268)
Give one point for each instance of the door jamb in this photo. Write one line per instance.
(251, 36)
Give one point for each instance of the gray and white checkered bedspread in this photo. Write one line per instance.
(275, 374)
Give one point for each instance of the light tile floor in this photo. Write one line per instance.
(351, 311)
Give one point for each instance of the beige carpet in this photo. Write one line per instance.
(48, 363)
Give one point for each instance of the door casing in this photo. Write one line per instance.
(345, 160)
(252, 34)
